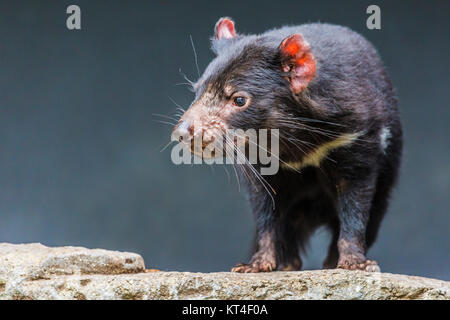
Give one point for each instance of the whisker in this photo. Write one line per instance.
(261, 179)
(318, 121)
(165, 147)
(228, 174)
(324, 132)
(186, 78)
(195, 55)
(165, 122)
(257, 144)
(183, 83)
(243, 166)
(237, 178)
(165, 116)
(297, 125)
(174, 102)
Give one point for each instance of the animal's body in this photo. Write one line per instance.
(326, 90)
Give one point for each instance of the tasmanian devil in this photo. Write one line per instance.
(326, 90)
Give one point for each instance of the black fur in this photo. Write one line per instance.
(351, 92)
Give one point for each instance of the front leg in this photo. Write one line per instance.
(264, 258)
(353, 210)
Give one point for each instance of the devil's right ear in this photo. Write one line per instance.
(297, 62)
(224, 34)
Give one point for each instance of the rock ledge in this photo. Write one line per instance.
(34, 271)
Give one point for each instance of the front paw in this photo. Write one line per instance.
(254, 266)
(352, 263)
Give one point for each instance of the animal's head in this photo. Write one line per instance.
(246, 85)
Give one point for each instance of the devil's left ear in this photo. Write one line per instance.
(297, 61)
(224, 29)
(224, 34)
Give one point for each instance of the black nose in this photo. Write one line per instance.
(182, 131)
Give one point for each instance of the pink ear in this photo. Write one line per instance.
(297, 59)
(225, 29)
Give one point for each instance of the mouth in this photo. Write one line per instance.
(203, 149)
(216, 147)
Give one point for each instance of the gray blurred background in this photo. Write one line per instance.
(80, 160)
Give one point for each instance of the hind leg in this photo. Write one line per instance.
(379, 207)
(388, 175)
(380, 202)
(385, 181)
(354, 206)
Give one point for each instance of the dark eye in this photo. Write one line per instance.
(240, 101)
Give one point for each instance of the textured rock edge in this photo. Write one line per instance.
(320, 284)
(34, 271)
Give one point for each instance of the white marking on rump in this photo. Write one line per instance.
(385, 135)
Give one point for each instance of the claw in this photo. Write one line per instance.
(368, 265)
(255, 266)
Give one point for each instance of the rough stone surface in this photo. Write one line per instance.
(34, 261)
(33, 271)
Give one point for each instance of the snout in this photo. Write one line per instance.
(183, 131)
